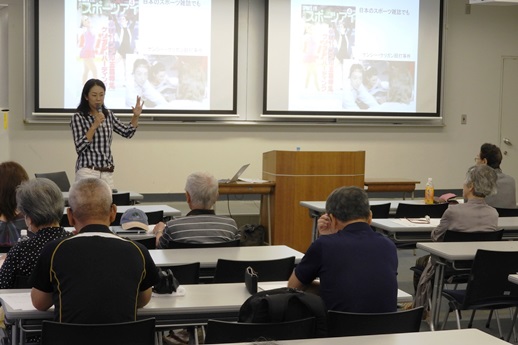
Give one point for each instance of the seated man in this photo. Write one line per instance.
(505, 196)
(94, 276)
(356, 265)
(201, 225)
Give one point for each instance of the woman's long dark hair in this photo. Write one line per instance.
(83, 106)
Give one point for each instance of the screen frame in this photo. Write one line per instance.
(356, 116)
(181, 114)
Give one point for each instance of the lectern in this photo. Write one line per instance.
(305, 175)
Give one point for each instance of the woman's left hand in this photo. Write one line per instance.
(137, 109)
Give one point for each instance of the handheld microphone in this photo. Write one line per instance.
(100, 110)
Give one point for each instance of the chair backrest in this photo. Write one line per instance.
(187, 273)
(219, 332)
(182, 245)
(477, 236)
(121, 199)
(155, 217)
(60, 178)
(141, 332)
(381, 210)
(416, 210)
(488, 282)
(148, 242)
(233, 271)
(341, 324)
(507, 212)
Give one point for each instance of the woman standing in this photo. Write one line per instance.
(92, 128)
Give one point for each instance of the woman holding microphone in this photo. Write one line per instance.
(92, 128)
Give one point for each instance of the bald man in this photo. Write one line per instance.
(94, 276)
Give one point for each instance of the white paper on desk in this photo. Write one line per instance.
(252, 180)
(271, 285)
(403, 221)
(18, 301)
(180, 291)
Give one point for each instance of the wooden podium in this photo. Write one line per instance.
(310, 176)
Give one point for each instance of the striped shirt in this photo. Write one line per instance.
(97, 153)
(199, 226)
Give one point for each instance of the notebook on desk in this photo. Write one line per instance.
(236, 176)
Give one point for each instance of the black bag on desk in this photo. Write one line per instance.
(167, 283)
(252, 235)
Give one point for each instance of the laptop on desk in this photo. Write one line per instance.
(236, 176)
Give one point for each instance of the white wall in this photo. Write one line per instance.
(158, 158)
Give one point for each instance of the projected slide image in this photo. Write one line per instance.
(352, 57)
(153, 49)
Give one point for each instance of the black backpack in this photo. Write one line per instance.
(285, 304)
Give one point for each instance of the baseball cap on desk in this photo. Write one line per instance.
(134, 218)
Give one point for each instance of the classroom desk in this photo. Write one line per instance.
(168, 210)
(134, 196)
(403, 231)
(199, 304)
(391, 185)
(446, 254)
(265, 189)
(455, 337)
(317, 208)
(208, 257)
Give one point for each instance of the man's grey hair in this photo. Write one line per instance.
(348, 203)
(203, 189)
(90, 198)
(483, 179)
(41, 200)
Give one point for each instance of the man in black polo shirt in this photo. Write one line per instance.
(94, 276)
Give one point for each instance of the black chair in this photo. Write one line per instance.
(152, 217)
(148, 242)
(141, 332)
(343, 324)
(507, 212)
(476, 236)
(381, 210)
(220, 332)
(187, 273)
(233, 271)
(417, 211)
(183, 245)
(451, 276)
(488, 286)
(155, 217)
(60, 178)
(121, 199)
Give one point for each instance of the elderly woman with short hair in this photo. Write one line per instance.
(474, 215)
(41, 202)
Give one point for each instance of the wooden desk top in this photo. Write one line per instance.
(390, 184)
(241, 187)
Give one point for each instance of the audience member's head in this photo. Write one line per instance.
(202, 190)
(491, 155)
(12, 175)
(41, 201)
(480, 181)
(90, 202)
(348, 204)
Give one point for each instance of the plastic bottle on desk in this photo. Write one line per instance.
(23, 236)
(428, 192)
